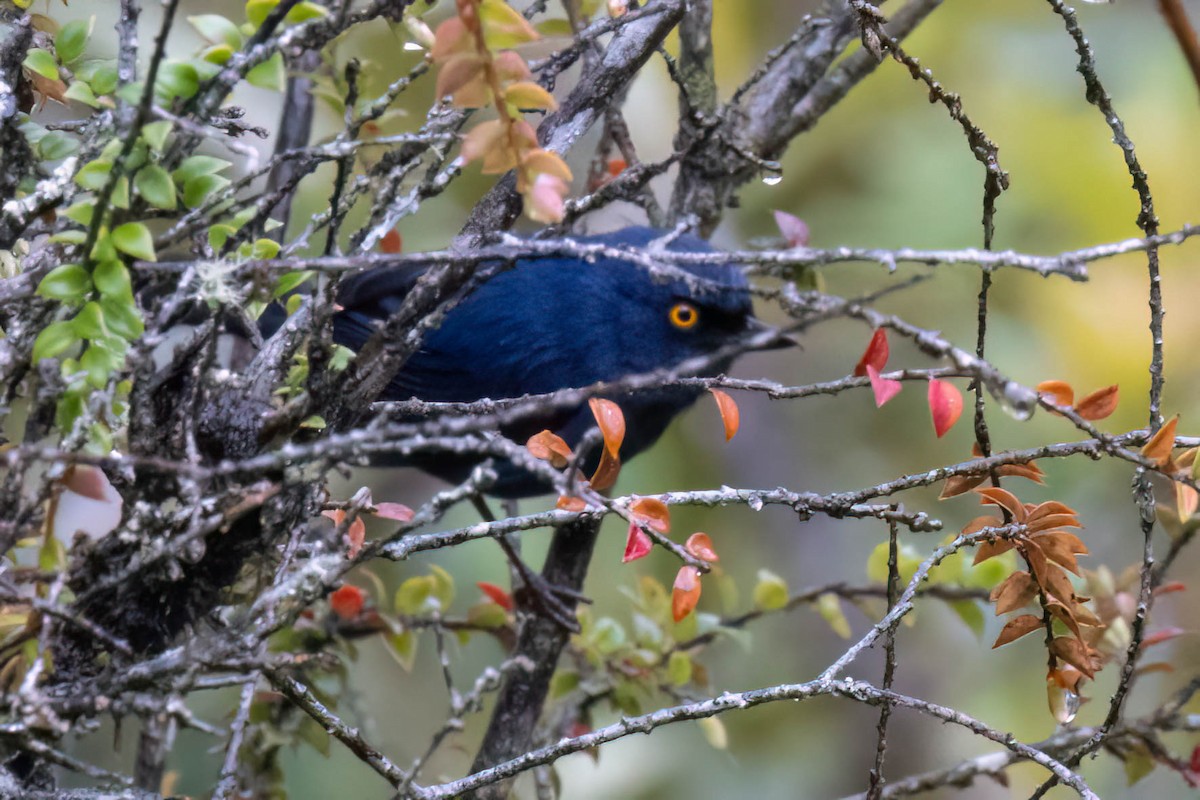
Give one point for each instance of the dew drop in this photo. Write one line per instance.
(772, 179)
(1017, 401)
(411, 46)
(1064, 704)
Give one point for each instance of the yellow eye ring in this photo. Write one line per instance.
(684, 315)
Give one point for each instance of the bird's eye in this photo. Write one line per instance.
(684, 315)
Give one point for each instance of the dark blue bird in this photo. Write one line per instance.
(552, 323)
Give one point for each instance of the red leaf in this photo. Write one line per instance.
(1160, 636)
(496, 595)
(391, 242)
(606, 471)
(730, 417)
(616, 166)
(884, 388)
(637, 544)
(347, 601)
(876, 354)
(685, 593)
(945, 404)
(1194, 761)
(700, 545)
(1171, 586)
(794, 229)
(394, 511)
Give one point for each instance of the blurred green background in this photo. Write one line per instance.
(888, 169)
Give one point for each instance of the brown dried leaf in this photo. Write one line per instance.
(1047, 508)
(1005, 499)
(1052, 521)
(1064, 615)
(1159, 448)
(1028, 471)
(960, 484)
(1075, 653)
(1017, 627)
(606, 471)
(1099, 404)
(1016, 591)
(1058, 586)
(992, 549)
(979, 523)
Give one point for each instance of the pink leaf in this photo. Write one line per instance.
(884, 388)
(794, 230)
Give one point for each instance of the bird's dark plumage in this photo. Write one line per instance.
(551, 323)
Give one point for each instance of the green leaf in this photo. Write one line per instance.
(265, 249)
(54, 339)
(120, 194)
(41, 62)
(679, 668)
(122, 317)
(89, 322)
(70, 282)
(72, 39)
(487, 614)
(563, 682)
(176, 79)
(133, 238)
(404, 647)
(155, 185)
(70, 408)
(217, 29)
(155, 134)
(98, 364)
(270, 74)
(73, 236)
(969, 612)
(305, 11)
(218, 234)
(80, 212)
(412, 595)
(197, 190)
(771, 591)
(112, 280)
(93, 175)
(80, 92)
(257, 10)
(607, 636)
(289, 281)
(907, 562)
(218, 54)
(830, 608)
(443, 586)
(56, 145)
(100, 75)
(195, 166)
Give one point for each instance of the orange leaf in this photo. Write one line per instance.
(700, 545)
(1059, 393)
(1099, 404)
(356, 534)
(1159, 448)
(884, 388)
(394, 511)
(458, 72)
(1028, 471)
(611, 421)
(945, 405)
(685, 593)
(606, 472)
(996, 496)
(637, 544)
(616, 166)
(876, 354)
(496, 595)
(549, 446)
(391, 242)
(1048, 508)
(651, 512)
(566, 503)
(729, 412)
(347, 601)
(1017, 627)
(1186, 500)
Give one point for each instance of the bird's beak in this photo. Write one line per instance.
(757, 328)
